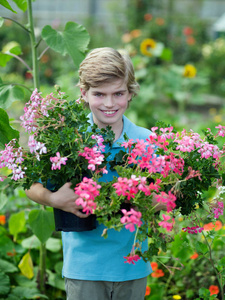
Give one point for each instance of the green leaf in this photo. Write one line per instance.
(53, 245)
(6, 5)
(7, 133)
(42, 224)
(7, 267)
(5, 284)
(73, 40)
(31, 243)
(22, 4)
(4, 58)
(10, 93)
(3, 199)
(28, 293)
(12, 47)
(17, 223)
(1, 21)
(26, 266)
(166, 54)
(201, 248)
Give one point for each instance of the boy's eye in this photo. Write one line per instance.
(119, 94)
(98, 94)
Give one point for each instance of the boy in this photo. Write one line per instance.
(94, 267)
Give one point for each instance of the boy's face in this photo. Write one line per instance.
(108, 102)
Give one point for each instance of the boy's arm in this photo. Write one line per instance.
(63, 199)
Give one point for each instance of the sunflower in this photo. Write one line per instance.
(146, 46)
(189, 71)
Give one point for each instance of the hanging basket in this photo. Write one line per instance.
(65, 221)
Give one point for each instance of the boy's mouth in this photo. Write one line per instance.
(109, 112)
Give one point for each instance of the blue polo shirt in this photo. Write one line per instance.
(89, 256)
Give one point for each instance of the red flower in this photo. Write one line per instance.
(187, 30)
(158, 273)
(148, 291)
(194, 256)
(2, 220)
(214, 290)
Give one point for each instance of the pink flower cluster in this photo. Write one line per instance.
(87, 190)
(34, 107)
(167, 225)
(188, 142)
(143, 155)
(169, 199)
(221, 131)
(217, 210)
(194, 229)
(130, 187)
(12, 157)
(36, 146)
(131, 218)
(57, 161)
(94, 155)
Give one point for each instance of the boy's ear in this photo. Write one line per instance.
(130, 97)
(84, 94)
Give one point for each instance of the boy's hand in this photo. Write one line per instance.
(65, 198)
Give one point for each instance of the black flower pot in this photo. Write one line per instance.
(65, 221)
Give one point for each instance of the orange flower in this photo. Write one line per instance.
(135, 33)
(214, 290)
(218, 225)
(2, 220)
(158, 273)
(194, 256)
(210, 226)
(148, 291)
(190, 40)
(154, 266)
(160, 21)
(148, 17)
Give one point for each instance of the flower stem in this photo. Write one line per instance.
(33, 45)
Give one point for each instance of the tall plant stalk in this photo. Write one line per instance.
(35, 72)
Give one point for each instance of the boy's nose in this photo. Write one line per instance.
(109, 101)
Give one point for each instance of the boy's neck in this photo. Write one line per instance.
(117, 129)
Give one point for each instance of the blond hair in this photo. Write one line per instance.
(103, 65)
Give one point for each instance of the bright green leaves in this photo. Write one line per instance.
(73, 40)
(42, 224)
(7, 133)
(21, 4)
(8, 51)
(17, 224)
(7, 5)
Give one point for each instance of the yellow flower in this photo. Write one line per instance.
(176, 297)
(146, 46)
(189, 71)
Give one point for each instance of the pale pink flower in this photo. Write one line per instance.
(57, 161)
